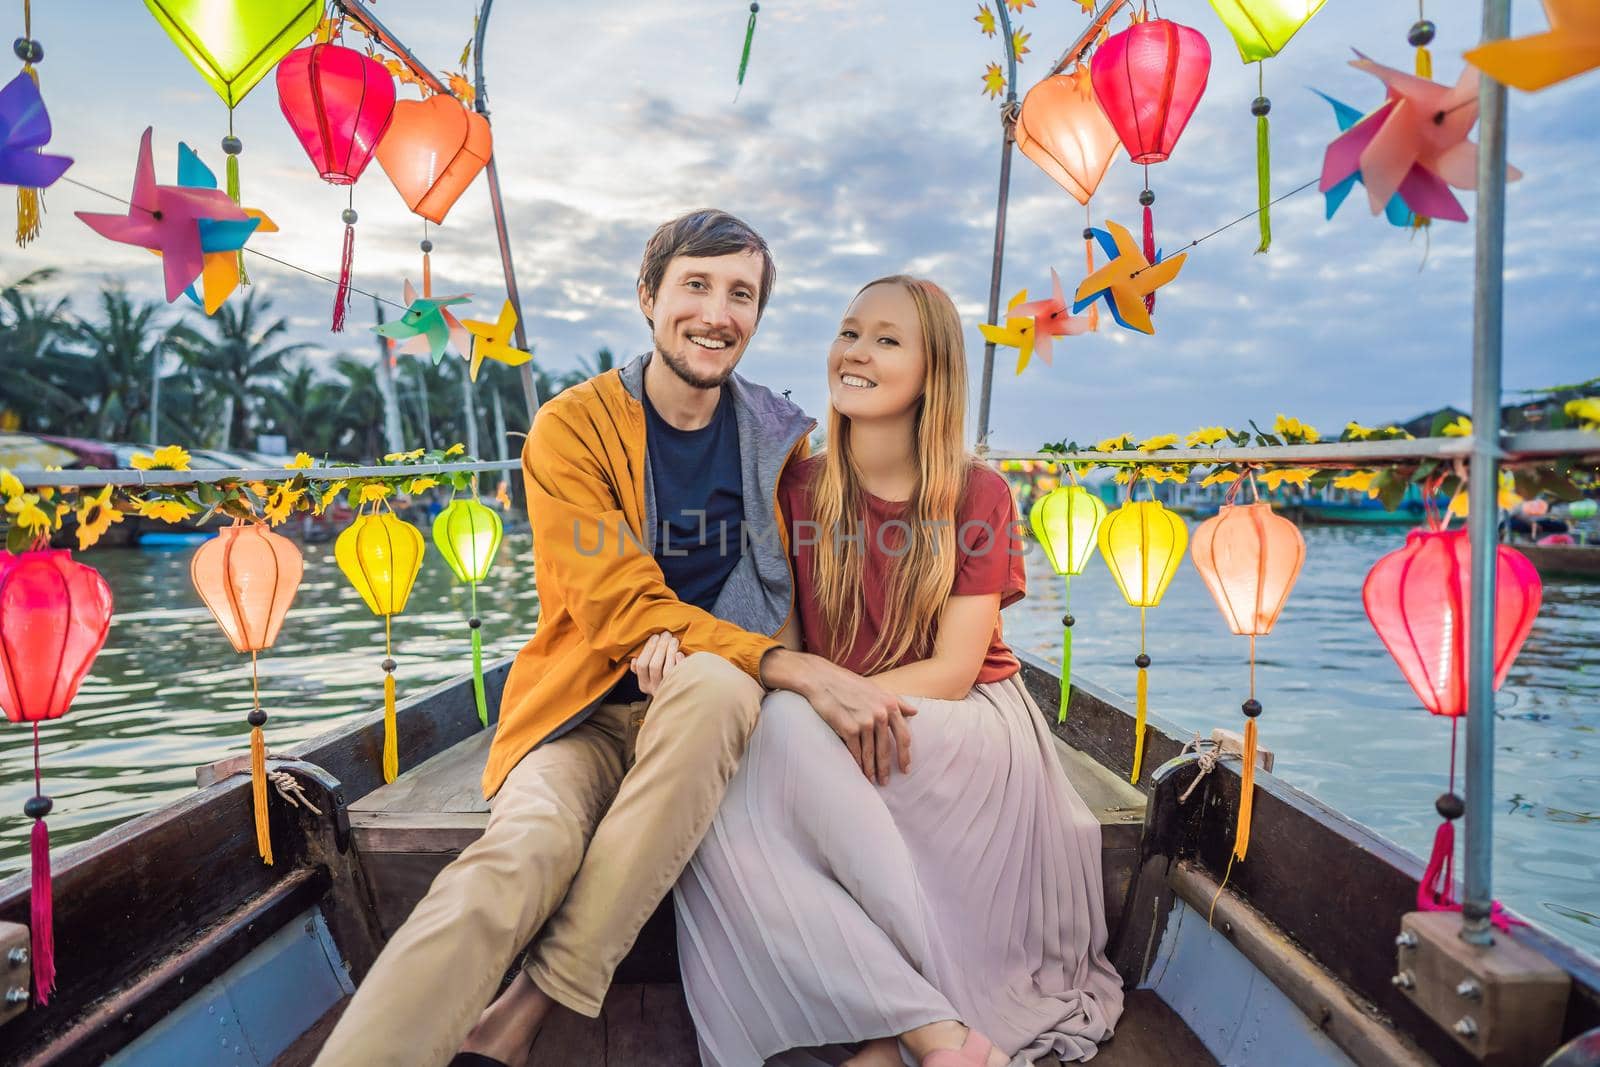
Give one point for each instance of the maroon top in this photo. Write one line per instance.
(988, 541)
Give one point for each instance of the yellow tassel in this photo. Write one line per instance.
(391, 743)
(258, 793)
(30, 202)
(427, 276)
(1247, 791)
(1141, 698)
(1424, 63)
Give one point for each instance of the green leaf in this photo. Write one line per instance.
(17, 539)
(1391, 487)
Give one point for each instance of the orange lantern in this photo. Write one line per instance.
(247, 575)
(1063, 129)
(1249, 558)
(432, 151)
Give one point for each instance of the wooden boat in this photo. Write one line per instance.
(1563, 561)
(176, 945)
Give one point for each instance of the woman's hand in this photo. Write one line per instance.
(655, 661)
(869, 719)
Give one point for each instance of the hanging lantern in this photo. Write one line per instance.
(1149, 79)
(1142, 542)
(1249, 557)
(381, 555)
(1062, 128)
(339, 102)
(1417, 598)
(467, 535)
(1261, 28)
(54, 615)
(248, 575)
(1065, 522)
(432, 152)
(233, 46)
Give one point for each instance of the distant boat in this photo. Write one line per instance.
(1564, 561)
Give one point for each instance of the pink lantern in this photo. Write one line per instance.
(54, 615)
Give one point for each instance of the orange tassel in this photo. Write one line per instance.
(1247, 791)
(258, 793)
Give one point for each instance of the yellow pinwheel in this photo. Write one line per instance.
(492, 340)
(1128, 280)
(1018, 332)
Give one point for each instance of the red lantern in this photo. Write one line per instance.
(1249, 557)
(339, 103)
(1149, 79)
(1417, 599)
(54, 615)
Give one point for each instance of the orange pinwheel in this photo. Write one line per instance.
(1570, 47)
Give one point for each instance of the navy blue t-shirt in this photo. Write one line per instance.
(699, 494)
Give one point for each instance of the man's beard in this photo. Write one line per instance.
(681, 368)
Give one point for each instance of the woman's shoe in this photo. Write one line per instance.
(474, 1059)
(974, 1052)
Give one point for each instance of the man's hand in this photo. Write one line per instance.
(868, 718)
(655, 661)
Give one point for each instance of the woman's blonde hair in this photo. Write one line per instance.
(919, 586)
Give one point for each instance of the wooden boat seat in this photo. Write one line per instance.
(408, 830)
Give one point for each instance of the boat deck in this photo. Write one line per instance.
(408, 830)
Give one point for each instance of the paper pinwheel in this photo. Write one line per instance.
(24, 129)
(165, 219)
(1395, 210)
(1127, 279)
(1051, 318)
(492, 340)
(1016, 333)
(429, 320)
(220, 240)
(1570, 47)
(1415, 144)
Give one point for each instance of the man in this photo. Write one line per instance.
(651, 493)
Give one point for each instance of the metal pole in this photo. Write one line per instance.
(393, 437)
(155, 393)
(1483, 518)
(1008, 118)
(530, 395)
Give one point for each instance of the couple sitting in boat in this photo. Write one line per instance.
(775, 685)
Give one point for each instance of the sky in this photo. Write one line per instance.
(862, 145)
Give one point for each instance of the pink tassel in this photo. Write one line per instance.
(1149, 251)
(43, 917)
(341, 298)
(1436, 891)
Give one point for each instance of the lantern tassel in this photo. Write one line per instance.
(1436, 890)
(30, 202)
(1247, 791)
(1088, 259)
(1066, 657)
(233, 194)
(1141, 701)
(1263, 184)
(1424, 63)
(1149, 250)
(42, 917)
(391, 740)
(341, 298)
(749, 36)
(427, 275)
(477, 659)
(258, 793)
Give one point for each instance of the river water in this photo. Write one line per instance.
(168, 693)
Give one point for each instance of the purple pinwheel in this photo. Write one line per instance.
(24, 129)
(166, 219)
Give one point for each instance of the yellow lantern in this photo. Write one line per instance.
(1142, 542)
(1065, 521)
(381, 556)
(467, 535)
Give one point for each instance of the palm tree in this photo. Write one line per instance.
(303, 408)
(31, 333)
(240, 362)
(355, 427)
(109, 366)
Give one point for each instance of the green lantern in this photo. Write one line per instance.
(467, 535)
(1066, 520)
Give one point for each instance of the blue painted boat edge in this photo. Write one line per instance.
(255, 1009)
(1241, 1017)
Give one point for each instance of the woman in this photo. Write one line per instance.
(831, 913)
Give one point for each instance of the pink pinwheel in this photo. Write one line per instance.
(166, 219)
(429, 337)
(1051, 318)
(1414, 145)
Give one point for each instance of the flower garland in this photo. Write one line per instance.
(34, 516)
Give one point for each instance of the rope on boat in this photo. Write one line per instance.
(289, 788)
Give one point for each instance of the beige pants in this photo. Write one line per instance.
(584, 839)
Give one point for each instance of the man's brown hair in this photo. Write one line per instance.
(701, 235)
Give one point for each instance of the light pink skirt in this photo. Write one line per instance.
(822, 910)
